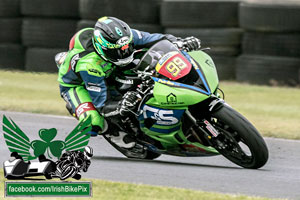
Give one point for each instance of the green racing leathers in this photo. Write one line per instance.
(83, 75)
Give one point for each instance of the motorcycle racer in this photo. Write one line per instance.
(94, 55)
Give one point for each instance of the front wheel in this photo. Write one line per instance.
(238, 141)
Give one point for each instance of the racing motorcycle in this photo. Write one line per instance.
(182, 113)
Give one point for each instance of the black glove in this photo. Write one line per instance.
(129, 102)
(188, 44)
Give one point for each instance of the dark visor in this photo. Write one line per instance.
(120, 53)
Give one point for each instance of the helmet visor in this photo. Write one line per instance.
(118, 53)
(119, 56)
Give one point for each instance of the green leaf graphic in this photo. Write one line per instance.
(47, 134)
(56, 147)
(39, 147)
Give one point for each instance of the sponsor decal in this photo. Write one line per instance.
(211, 129)
(162, 117)
(93, 88)
(166, 82)
(210, 63)
(123, 41)
(74, 60)
(166, 57)
(171, 100)
(118, 31)
(84, 107)
(94, 72)
(124, 81)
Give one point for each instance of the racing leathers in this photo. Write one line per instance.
(83, 75)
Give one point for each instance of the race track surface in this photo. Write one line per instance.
(279, 178)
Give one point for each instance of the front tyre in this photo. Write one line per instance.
(239, 141)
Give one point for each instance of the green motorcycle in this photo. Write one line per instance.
(181, 112)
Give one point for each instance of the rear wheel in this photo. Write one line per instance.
(239, 141)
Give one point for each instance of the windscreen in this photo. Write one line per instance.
(167, 61)
(154, 54)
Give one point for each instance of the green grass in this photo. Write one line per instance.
(273, 110)
(123, 191)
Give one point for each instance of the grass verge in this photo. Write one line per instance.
(273, 110)
(123, 191)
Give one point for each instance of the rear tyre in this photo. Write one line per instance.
(239, 141)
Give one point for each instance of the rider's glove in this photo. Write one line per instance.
(188, 44)
(129, 102)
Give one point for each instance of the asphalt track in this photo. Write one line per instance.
(279, 178)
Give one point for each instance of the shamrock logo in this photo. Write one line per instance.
(55, 147)
(17, 141)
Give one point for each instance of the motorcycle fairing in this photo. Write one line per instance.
(160, 120)
(173, 65)
(182, 85)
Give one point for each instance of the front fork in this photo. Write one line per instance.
(204, 126)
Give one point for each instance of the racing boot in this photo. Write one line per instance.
(123, 140)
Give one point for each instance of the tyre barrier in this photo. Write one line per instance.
(199, 13)
(49, 33)
(267, 28)
(270, 15)
(271, 43)
(10, 30)
(275, 44)
(151, 28)
(222, 41)
(210, 36)
(41, 59)
(130, 11)
(270, 70)
(50, 8)
(9, 8)
(12, 56)
(226, 66)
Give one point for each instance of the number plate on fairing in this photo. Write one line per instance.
(173, 65)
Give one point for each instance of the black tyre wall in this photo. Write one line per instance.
(270, 15)
(41, 59)
(199, 13)
(10, 30)
(11, 56)
(276, 44)
(210, 36)
(53, 8)
(152, 28)
(9, 8)
(50, 33)
(226, 66)
(269, 70)
(130, 11)
(222, 41)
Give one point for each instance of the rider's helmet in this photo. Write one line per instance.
(113, 41)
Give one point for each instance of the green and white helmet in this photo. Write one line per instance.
(113, 41)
